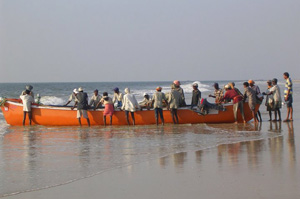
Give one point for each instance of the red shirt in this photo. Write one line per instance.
(233, 95)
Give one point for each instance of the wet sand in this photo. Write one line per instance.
(267, 168)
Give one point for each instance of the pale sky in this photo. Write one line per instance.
(148, 40)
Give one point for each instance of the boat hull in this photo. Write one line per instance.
(64, 116)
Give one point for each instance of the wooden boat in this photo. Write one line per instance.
(63, 116)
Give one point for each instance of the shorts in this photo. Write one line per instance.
(289, 101)
(277, 105)
(82, 113)
(119, 104)
(108, 110)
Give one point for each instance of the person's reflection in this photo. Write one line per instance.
(254, 148)
(257, 126)
(199, 156)
(291, 144)
(275, 127)
(84, 153)
(276, 148)
(179, 159)
(163, 161)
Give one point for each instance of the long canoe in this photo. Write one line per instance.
(63, 116)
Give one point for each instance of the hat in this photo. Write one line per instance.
(29, 87)
(127, 90)
(145, 94)
(226, 86)
(116, 89)
(80, 89)
(195, 85)
(176, 82)
(250, 81)
(158, 88)
(75, 90)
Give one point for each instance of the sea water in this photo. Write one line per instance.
(39, 157)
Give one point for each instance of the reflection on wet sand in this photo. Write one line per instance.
(35, 152)
(291, 145)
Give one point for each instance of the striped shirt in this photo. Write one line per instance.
(288, 86)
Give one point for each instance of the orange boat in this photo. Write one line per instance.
(63, 116)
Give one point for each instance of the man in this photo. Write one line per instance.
(218, 94)
(196, 96)
(157, 103)
(180, 90)
(251, 95)
(27, 100)
(288, 96)
(118, 97)
(237, 102)
(275, 91)
(72, 97)
(129, 104)
(174, 103)
(82, 106)
(95, 99)
(269, 99)
(146, 103)
(259, 97)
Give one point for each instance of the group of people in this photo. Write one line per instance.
(254, 96)
(129, 104)
(175, 99)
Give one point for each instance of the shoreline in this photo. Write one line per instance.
(167, 169)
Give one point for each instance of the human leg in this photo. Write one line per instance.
(126, 115)
(110, 123)
(241, 106)
(161, 116)
(176, 116)
(156, 115)
(235, 109)
(30, 117)
(104, 120)
(79, 116)
(24, 117)
(133, 119)
(172, 113)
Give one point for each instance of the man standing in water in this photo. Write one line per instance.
(27, 100)
(288, 96)
(157, 102)
(259, 97)
(82, 105)
(231, 94)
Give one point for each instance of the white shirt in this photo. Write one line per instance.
(276, 93)
(27, 100)
(129, 103)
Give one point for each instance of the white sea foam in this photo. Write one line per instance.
(52, 100)
(188, 88)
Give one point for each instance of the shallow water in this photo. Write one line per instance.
(38, 157)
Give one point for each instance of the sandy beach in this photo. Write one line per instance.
(267, 168)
